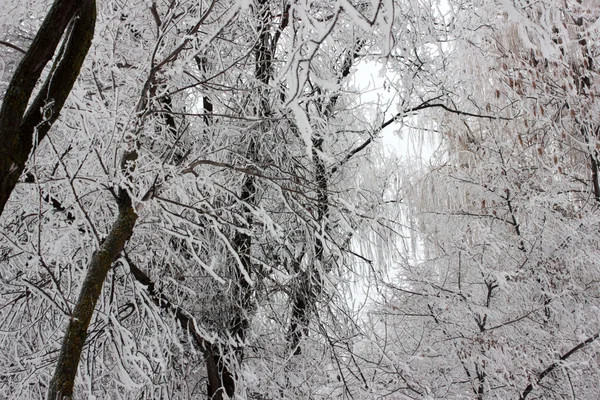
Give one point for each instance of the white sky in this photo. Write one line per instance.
(369, 79)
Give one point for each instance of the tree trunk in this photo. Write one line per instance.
(310, 281)
(221, 382)
(61, 386)
(19, 125)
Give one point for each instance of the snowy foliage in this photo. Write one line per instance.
(280, 251)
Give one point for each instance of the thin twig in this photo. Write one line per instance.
(12, 46)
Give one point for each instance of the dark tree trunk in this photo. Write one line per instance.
(220, 379)
(76, 20)
(61, 386)
(310, 281)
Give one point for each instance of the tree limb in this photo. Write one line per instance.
(186, 321)
(400, 115)
(555, 364)
(61, 386)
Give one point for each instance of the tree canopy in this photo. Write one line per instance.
(198, 200)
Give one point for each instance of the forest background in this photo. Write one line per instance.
(197, 202)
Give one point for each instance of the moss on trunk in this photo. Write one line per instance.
(61, 386)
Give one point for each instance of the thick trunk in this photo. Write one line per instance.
(18, 126)
(221, 382)
(61, 386)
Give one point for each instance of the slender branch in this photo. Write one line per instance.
(402, 114)
(555, 364)
(156, 17)
(12, 46)
(450, 110)
(186, 321)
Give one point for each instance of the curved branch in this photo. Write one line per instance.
(56, 89)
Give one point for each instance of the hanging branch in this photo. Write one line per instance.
(186, 321)
(217, 374)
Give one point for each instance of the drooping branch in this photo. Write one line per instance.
(242, 240)
(185, 320)
(219, 377)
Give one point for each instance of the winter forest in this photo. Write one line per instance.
(299, 199)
